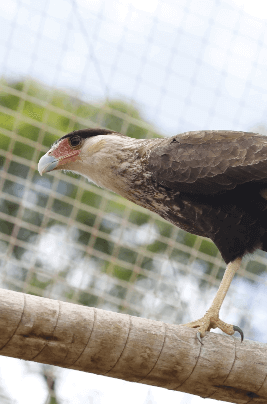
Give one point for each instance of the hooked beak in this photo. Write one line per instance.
(47, 163)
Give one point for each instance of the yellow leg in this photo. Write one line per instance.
(211, 318)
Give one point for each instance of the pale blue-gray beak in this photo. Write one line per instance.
(47, 163)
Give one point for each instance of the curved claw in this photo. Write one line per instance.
(238, 329)
(199, 338)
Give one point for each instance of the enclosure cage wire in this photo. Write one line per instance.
(122, 258)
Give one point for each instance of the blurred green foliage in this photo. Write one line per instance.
(46, 116)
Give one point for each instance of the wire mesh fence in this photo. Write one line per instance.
(65, 238)
(144, 69)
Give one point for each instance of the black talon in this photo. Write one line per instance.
(236, 328)
(199, 337)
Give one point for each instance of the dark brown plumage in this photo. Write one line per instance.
(216, 179)
(209, 183)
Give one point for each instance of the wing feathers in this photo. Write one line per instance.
(210, 161)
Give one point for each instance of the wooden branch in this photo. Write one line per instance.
(131, 348)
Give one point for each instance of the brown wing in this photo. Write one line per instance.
(209, 162)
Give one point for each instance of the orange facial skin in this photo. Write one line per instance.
(64, 152)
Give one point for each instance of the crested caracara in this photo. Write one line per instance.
(209, 183)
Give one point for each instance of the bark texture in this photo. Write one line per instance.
(131, 348)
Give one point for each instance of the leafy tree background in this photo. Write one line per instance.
(111, 115)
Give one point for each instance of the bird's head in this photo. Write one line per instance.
(98, 154)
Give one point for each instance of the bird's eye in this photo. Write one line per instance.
(75, 141)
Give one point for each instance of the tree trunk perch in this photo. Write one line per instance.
(131, 348)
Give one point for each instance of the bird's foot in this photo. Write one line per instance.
(211, 320)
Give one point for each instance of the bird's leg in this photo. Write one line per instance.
(211, 318)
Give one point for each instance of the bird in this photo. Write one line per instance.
(211, 183)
